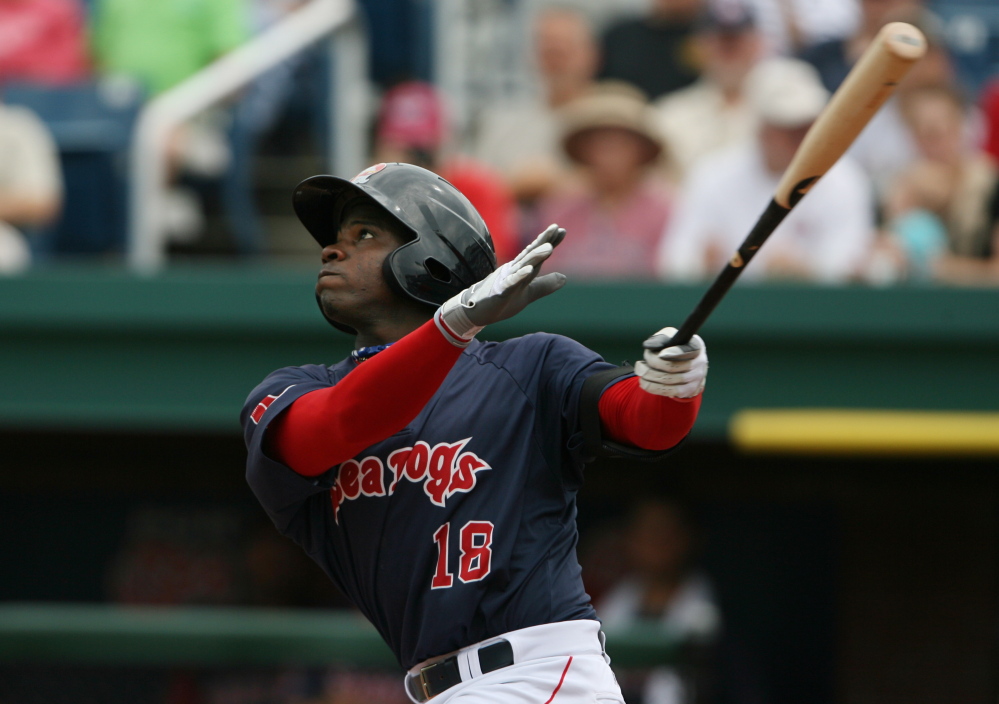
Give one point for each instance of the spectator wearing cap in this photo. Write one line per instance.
(824, 239)
(412, 128)
(521, 139)
(615, 207)
(712, 113)
(655, 52)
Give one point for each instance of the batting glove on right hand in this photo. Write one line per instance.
(503, 293)
(679, 371)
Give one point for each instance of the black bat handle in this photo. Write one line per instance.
(767, 223)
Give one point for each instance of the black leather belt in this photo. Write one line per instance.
(444, 674)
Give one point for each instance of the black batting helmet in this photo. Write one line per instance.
(451, 248)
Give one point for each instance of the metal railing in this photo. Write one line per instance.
(481, 56)
(166, 112)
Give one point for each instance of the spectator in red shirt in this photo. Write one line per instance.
(43, 41)
(412, 128)
(990, 108)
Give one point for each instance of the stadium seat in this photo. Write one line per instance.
(92, 124)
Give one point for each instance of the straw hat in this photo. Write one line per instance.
(785, 92)
(610, 104)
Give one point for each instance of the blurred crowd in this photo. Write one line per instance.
(656, 136)
(659, 142)
(59, 57)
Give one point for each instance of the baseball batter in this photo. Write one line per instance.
(433, 476)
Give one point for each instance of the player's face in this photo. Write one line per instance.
(351, 286)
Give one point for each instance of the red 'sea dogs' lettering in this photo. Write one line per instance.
(261, 408)
(372, 477)
(444, 470)
(364, 478)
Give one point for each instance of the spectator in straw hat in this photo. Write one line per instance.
(615, 207)
(827, 235)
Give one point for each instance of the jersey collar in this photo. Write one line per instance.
(366, 353)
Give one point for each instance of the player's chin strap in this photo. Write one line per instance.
(594, 444)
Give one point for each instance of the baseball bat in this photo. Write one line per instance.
(868, 85)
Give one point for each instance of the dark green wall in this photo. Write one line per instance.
(100, 348)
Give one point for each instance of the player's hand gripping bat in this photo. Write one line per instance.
(869, 84)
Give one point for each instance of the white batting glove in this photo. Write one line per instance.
(503, 293)
(679, 371)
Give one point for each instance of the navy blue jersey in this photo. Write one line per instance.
(461, 526)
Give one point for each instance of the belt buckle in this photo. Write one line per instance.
(423, 682)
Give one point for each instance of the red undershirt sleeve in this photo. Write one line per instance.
(635, 417)
(374, 401)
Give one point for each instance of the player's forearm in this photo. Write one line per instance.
(376, 400)
(634, 417)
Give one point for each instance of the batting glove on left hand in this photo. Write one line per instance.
(506, 291)
(679, 371)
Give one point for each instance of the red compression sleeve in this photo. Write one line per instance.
(635, 417)
(377, 399)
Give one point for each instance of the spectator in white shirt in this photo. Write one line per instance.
(30, 184)
(713, 112)
(827, 235)
(792, 25)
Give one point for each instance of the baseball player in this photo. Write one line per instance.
(433, 476)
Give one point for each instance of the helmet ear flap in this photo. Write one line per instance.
(399, 287)
(389, 273)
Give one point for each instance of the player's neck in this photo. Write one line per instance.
(387, 330)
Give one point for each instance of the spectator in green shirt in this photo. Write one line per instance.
(161, 43)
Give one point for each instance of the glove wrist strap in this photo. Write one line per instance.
(454, 324)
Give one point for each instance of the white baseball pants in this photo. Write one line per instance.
(556, 663)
